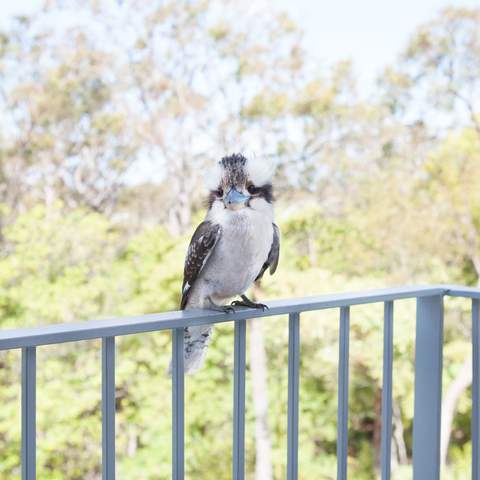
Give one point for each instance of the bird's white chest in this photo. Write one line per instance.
(239, 254)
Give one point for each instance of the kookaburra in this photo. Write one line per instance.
(231, 249)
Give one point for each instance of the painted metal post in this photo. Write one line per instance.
(29, 365)
(239, 400)
(387, 390)
(343, 375)
(428, 388)
(475, 390)
(108, 408)
(293, 398)
(178, 402)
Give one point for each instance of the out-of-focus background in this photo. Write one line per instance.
(111, 114)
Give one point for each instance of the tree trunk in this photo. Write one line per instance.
(459, 384)
(377, 428)
(401, 455)
(258, 366)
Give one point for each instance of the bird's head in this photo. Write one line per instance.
(238, 183)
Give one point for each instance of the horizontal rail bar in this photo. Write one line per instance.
(460, 291)
(72, 332)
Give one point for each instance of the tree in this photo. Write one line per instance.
(67, 132)
(437, 78)
(436, 85)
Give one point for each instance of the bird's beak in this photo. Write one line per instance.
(234, 199)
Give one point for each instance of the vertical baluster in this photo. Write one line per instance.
(108, 408)
(178, 399)
(293, 385)
(342, 424)
(29, 365)
(475, 390)
(428, 388)
(387, 390)
(239, 401)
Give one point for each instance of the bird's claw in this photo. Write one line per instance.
(262, 306)
(220, 308)
(240, 303)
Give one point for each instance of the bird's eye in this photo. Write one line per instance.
(252, 189)
(219, 192)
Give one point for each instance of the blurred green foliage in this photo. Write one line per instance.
(76, 265)
(104, 137)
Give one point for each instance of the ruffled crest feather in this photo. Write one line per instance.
(260, 171)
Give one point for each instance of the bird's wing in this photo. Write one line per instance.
(201, 246)
(273, 256)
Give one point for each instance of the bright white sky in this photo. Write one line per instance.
(369, 32)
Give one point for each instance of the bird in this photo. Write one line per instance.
(231, 249)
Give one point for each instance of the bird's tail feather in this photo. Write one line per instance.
(196, 341)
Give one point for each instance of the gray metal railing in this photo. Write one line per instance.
(428, 375)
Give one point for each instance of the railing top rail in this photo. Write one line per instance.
(460, 291)
(92, 329)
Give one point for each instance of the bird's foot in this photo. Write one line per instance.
(221, 308)
(246, 302)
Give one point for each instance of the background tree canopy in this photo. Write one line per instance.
(110, 116)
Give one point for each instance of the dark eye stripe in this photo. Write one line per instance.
(265, 191)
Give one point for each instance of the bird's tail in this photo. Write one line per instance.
(196, 341)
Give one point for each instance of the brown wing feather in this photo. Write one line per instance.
(201, 246)
(273, 255)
